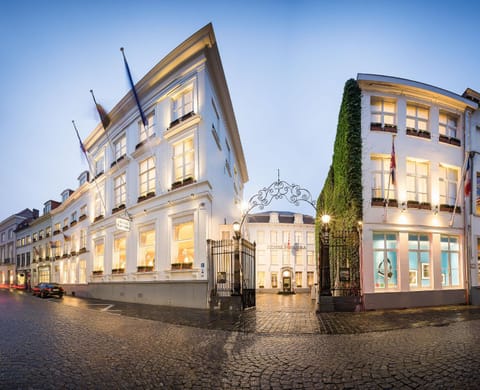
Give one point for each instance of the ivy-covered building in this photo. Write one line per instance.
(399, 176)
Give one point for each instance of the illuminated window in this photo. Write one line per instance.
(183, 159)
(382, 187)
(99, 196)
(417, 181)
(298, 279)
(274, 279)
(260, 237)
(385, 260)
(448, 184)
(310, 258)
(261, 256)
(450, 261)
(419, 261)
(82, 271)
(447, 125)
(310, 238)
(146, 255)
(183, 243)
(145, 133)
(99, 165)
(83, 239)
(119, 254)
(310, 279)
(299, 258)
(417, 118)
(286, 257)
(147, 176)
(99, 252)
(273, 237)
(261, 279)
(120, 147)
(383, 112)
(182, 104)
(120, 190)
(274, 260)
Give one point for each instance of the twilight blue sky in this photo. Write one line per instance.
(286, 63)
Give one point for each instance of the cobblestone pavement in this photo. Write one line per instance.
(46, 345)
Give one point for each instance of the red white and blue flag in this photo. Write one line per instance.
(467, 180)
(393, 163)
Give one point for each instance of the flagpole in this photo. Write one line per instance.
(390, 178)
(90, 167)
(452, 217)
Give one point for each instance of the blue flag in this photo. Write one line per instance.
(142, 115)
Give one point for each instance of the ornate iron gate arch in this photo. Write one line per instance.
(279, 189)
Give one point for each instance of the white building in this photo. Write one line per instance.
(414, 250)
(158, 192)
(8, 247)
(285, 251)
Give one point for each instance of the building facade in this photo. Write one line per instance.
(415, 158)
(8, 248)
(285, 251)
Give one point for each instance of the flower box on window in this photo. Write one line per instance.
(425, 206)
(82, 250)
(65, 228)
(376, 126)
(65, 255)
(56, 232)
(118, 271)
(98, 218)
(73, 223)
(176, 184)
(97, 272)
(181, 119)
(177, 266)
(449, 208)
(184, 182)
(118, 208)
(413, 204)
(378, 202)
(390, 128)
(145, 268)
(82, 217)
(57, 257)
(418, 133)
(145, 197)
(73, 253)
(455, 141)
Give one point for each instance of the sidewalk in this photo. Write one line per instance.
(284, 314)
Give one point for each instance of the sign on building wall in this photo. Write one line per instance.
(123, 224)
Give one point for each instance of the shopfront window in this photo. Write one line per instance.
(385, 260)
(419, 261)
(450, 261)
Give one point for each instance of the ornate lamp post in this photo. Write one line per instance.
(325, 258)
(325, 299)
(236, 259)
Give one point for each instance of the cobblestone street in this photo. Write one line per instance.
(52, 343)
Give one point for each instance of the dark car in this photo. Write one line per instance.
(45, 290)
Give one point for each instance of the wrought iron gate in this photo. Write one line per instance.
(232, 273)
(344, 261)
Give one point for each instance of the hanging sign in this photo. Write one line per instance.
(123, 224)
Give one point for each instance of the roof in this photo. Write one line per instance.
(382, 80)
(283, 217)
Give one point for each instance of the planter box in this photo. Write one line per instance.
(145, 197)
(390, 128)
(449, 209)
(449, 140)
(145, 268)
(418, 133)
(82, 250)
(178, 266)
(118, 271)
(98, 218)
(82, 217)
(374, 126)
(425, 206)
(116, 209)
(413, 204)
(181, 183)
(97, 273)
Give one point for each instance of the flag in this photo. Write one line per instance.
(101, 112)
(467, 181)
(80, 140)
(127, 68)
(393, 163)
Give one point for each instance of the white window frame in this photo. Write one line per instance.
(379, 113)
(417, 121)
(382, 188)
(448, 184)
(120, 147)
(182, 103)
(145, 133)
(416, 181)
(120, 190)
(147, 176)
(184, 159)
(448, 124)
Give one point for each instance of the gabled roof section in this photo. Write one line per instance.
(402, 85)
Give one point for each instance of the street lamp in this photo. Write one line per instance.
(236, 258)
(325, 258)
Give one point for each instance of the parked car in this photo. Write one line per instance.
(45, 290)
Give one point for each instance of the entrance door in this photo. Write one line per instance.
(287, 283)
